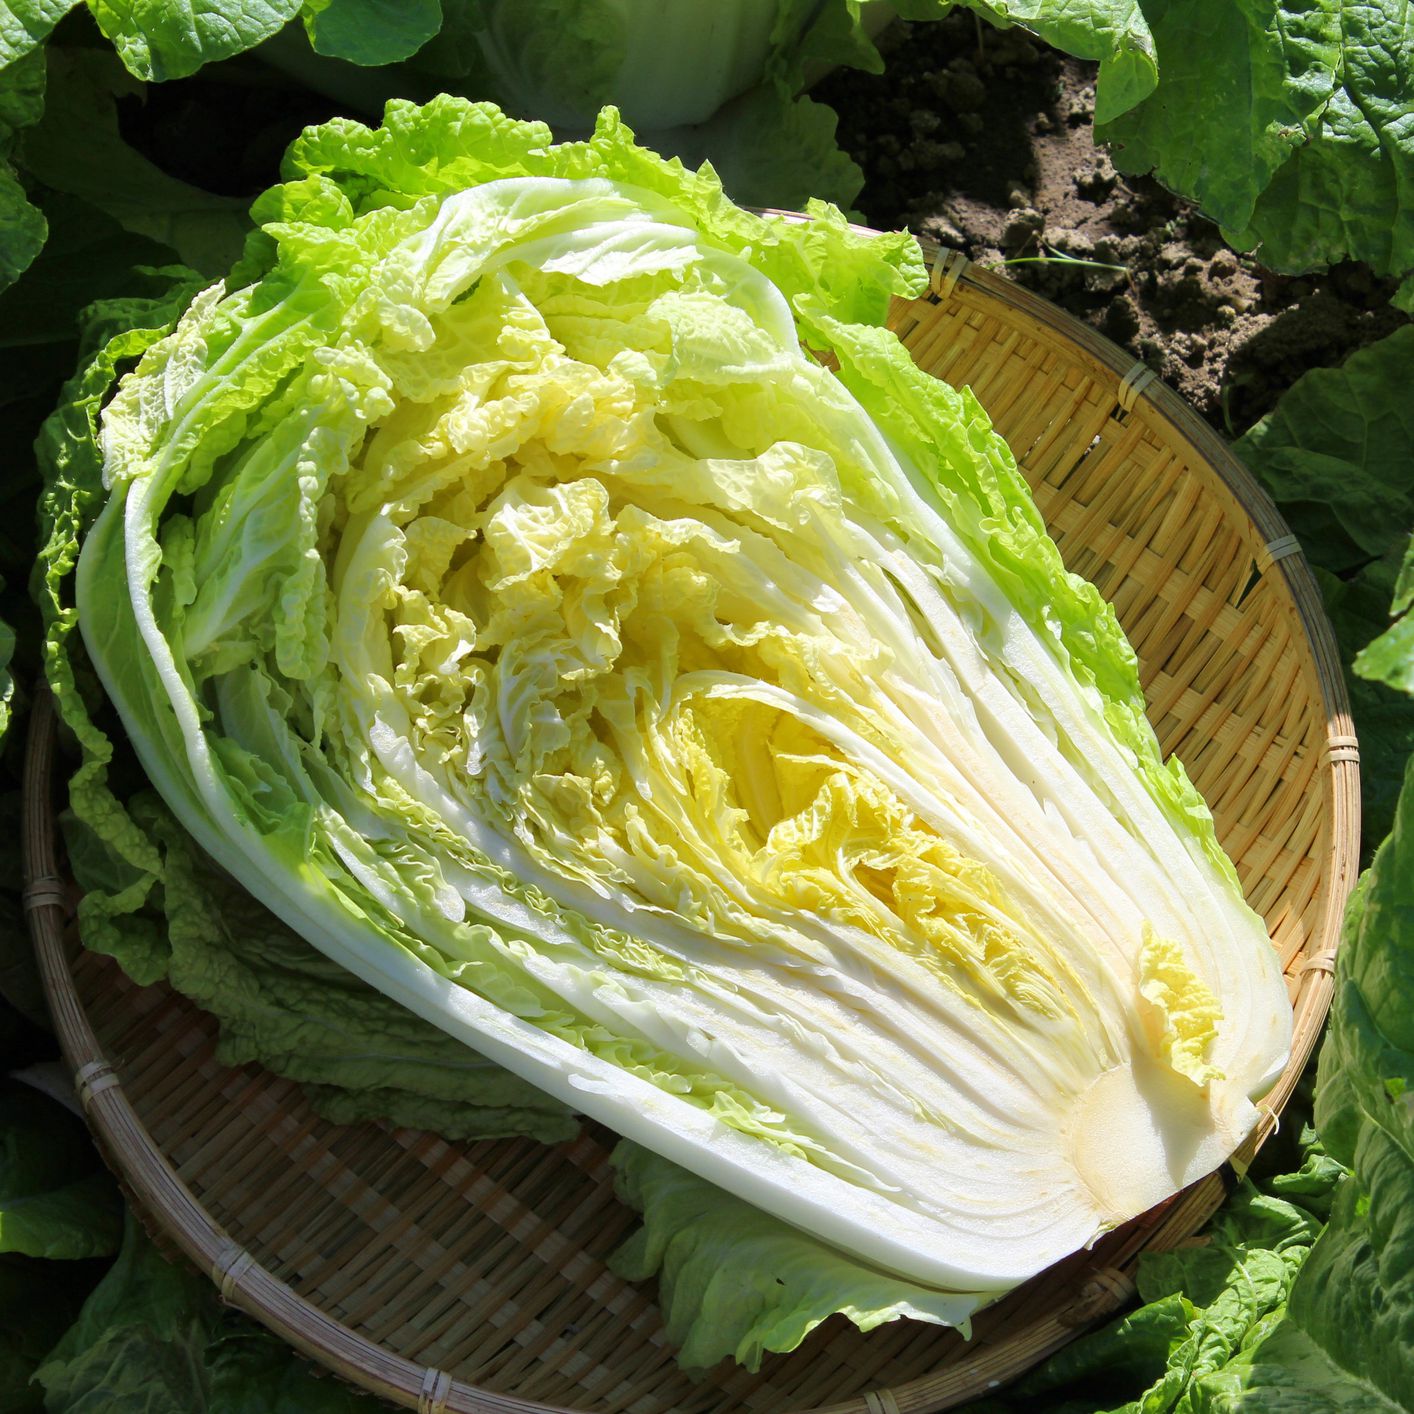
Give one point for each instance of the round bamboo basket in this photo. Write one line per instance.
(472, 1277)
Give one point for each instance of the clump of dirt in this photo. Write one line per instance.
(984, 140)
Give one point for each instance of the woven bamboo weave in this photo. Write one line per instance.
(472, 1277)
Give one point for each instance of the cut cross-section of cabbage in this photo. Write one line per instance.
(499, 590)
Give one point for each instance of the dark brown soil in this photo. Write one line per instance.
(983, 139)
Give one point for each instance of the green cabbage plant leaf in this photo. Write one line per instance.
(1342, 1340)
(25, 25)
(1334, 453)
(1287, 123)
(153, 1338)
(371, 31)
(56, 1199)
(491, 581)
(1355, 1299)
(159, 40)
(7, 681)
(22, 224)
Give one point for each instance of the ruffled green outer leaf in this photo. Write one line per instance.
(160, 908)
(1287, 122)
(67, 449)
(449, 145)
(734, 1282)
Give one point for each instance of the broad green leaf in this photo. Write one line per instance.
(72, 1220)
(1345, 193)
(22, 227)
(1286, 122)
(1335, 454)
(1366, 1075)
(371, 31)
(1349, 1325)
(140, 1340)
(21, 95)
(1241, 86)
(25, 24)
(254, 1373)
(38, 1302)
(1390, 657)
(55, 1199)
(159, 39)
(1287, 1372)
(1359, 605)
(153, 1338)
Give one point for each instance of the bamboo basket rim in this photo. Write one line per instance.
(166, 1202)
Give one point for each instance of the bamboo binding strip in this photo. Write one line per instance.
(471, 1278)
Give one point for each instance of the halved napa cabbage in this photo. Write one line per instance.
(498, 588)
